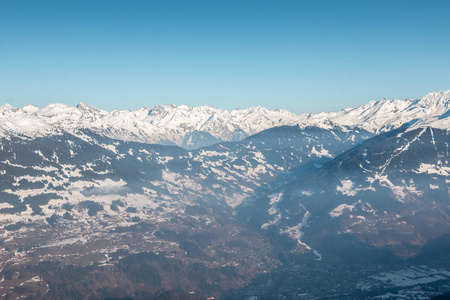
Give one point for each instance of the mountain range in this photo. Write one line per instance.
(205, 200)
(195, 127)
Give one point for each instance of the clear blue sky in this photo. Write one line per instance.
(305, 56)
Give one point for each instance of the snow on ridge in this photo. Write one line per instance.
(163, 123)
(432, 110)
(174, 123)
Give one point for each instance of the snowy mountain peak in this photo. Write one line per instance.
(176, 124)
(382, 115)
(30, 108)
(6, 107)
(87, 108)
(441, 99)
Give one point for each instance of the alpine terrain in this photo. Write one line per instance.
(179, 202)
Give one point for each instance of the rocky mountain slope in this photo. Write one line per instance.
(85, 165)
(392, 191)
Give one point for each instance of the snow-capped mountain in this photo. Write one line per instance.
(190, 127)
(194, 127)
(379, 116)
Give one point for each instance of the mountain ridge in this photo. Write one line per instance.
(194, 127)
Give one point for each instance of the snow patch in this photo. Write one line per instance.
(346, 188)
(339, 210)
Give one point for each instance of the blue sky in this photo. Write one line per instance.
(305, 56)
